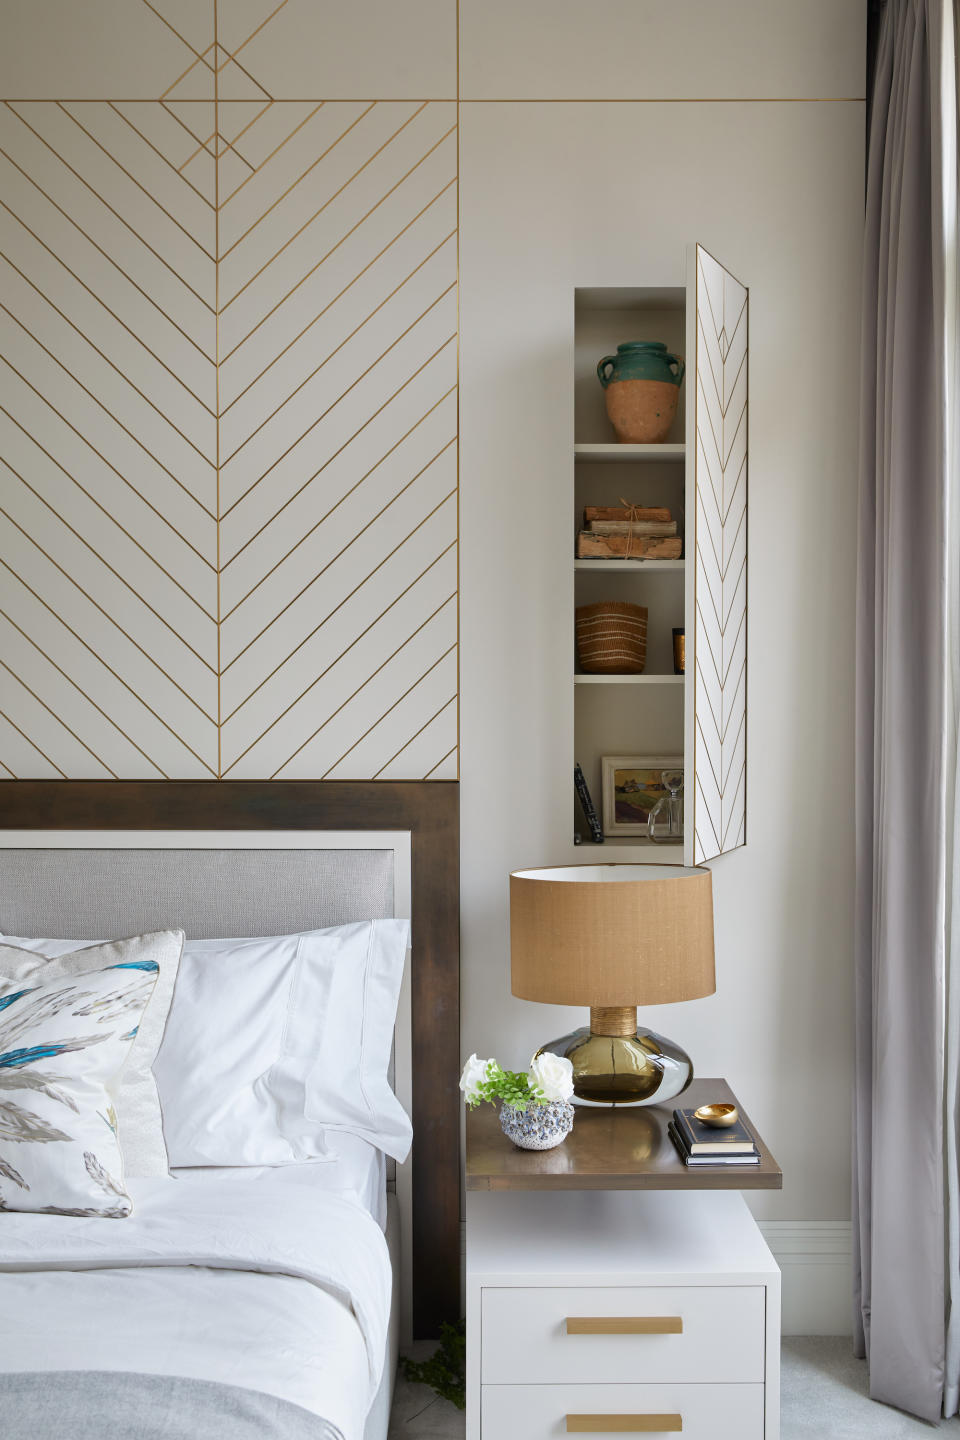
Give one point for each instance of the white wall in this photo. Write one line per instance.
(576, 193)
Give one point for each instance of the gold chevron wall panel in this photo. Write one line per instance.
(228, 422)
(720, 649)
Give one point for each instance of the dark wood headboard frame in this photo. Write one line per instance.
(430, 811)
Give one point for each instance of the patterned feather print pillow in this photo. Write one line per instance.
(67, 1028)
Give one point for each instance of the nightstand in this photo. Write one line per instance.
(627, 1294)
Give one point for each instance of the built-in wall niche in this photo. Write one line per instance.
(698, 473)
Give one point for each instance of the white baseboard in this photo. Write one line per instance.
(815, 1261)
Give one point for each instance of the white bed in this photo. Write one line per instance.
(285, 1281)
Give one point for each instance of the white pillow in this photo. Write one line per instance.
(69, 1030)
(273, 1041)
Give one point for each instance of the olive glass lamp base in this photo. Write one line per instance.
(615, 1063)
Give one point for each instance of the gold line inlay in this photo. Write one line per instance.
(340, 293)
(437, 713)
(249, 125)
(94, 296)
(143, 189)
(182, 123)
(293, 185)
(309, 221)
(357, 328)
(203, 145)
(256, 32)
(340, 604)
(330, 459)
(58, 718)
(324, 258)
(100, 250)
(317, 678)
(120, 476)
(116, 368)
(107, 206)
(216, 284)
(346, 495)
(79, 688)
(318, 105)
(166, 160)
(453, 748)
(102, 559)
(262, 88)
(32, 743)
(165, 21)
(352, 386)
(192, 66)
(107, 411)
(106, 614)
(332, 561)
(323, 673)
(372, 727)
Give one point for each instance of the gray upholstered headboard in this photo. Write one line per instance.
(417, 820)
(97, 894)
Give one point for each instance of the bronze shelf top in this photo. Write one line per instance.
(612, 1149)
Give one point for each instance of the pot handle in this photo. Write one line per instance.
(681, 368)
(602, 376)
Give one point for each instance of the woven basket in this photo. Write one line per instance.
(612, 638)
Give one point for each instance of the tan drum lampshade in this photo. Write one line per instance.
(612, 935)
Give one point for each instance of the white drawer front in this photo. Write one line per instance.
(706, 1334)
(539, 1412)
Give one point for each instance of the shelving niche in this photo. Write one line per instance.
(700, 473)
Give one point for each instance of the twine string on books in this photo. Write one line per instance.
(633, 515)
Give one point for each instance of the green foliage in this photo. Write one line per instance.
(513, 1087)
(446, 1370)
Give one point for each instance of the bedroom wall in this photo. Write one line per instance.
(596, 142)
(229, 426)
(199, 576)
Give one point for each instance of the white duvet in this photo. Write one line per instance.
(257, 1278)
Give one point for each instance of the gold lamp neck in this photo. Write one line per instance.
(617, 1020)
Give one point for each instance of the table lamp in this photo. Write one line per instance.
(614, 937)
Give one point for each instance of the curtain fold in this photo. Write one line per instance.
(951, 190)
(901, 744)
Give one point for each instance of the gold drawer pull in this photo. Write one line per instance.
(621, 1424)
(624, 1325)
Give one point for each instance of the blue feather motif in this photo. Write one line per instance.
(137, 965)
(6, 1000)
(27, 1056)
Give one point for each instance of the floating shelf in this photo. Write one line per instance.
(628, 679)
(633, 566)
(629, 454)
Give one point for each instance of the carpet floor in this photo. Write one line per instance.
(824, 1397)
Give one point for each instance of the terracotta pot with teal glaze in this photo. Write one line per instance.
(642, 383)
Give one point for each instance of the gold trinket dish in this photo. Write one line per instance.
(717, 1115)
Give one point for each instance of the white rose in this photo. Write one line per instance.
(552, 1075)
(474, 1074)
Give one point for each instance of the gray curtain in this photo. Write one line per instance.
(898, 1188)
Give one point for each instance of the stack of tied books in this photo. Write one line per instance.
(701, 1144)
(628, 532)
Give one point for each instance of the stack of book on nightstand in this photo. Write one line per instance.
(701, 1144)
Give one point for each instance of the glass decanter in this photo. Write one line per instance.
(665, 820)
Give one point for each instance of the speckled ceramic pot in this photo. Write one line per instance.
(539, 1127)
(642, 383)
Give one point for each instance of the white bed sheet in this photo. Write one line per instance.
(269, 1279)
(355, 1168)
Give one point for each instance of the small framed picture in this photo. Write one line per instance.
(632, 785)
